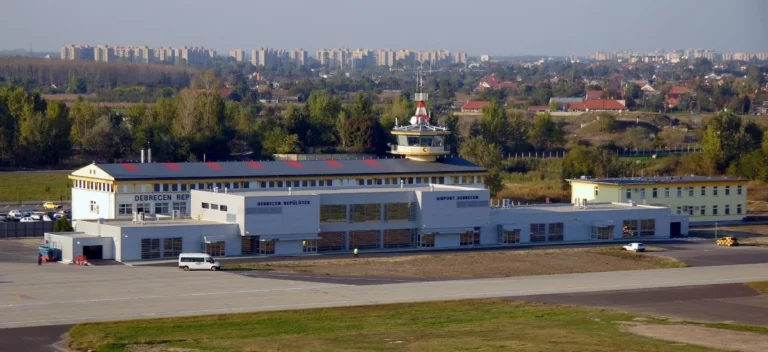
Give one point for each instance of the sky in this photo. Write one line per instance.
(496, 27)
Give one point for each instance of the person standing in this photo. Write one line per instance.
(39, 259)
(356, 255)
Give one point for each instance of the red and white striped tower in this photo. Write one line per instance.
(421, 117)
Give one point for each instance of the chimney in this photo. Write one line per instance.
(149, 155)
(142, 156)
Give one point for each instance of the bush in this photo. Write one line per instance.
(62, 225)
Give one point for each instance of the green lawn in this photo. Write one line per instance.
(761, 286)
(478, 325)
(15, 187)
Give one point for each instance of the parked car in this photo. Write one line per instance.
(28, 219)
(51, 205)
(14, 214)
(46, 218)
(635, 247)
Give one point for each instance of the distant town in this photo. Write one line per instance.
(366, 58)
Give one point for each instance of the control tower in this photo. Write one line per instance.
(420, 140)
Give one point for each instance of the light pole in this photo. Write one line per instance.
(715, 230)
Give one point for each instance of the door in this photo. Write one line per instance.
(674, 229)
(215, 249)
(93, 252)
(309, 246)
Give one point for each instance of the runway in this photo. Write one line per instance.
(61, 294)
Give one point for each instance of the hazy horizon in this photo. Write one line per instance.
(553, 27)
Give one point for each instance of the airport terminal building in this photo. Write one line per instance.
(295, 222)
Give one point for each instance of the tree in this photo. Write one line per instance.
(589, 161)
(364, 135)
(487, 155)
(547, 132)
(607, 122)
(554, 106)
(451, 122)
(62, 225)
(494, 126)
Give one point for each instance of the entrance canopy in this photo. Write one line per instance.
(291, 237)
(214, 239)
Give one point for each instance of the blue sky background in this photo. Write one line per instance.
(543, 27)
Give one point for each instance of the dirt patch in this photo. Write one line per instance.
(728, 340)
(480, 264)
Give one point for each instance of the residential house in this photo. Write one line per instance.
(492, 82)
(593, 94)
(474, 107)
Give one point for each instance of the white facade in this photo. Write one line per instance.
(288, 222)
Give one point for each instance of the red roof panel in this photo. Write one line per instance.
(172, 166)
(215, 166)
(333, 163)
(254, 165)
(294, 164)
(130, 167)
(371, 162)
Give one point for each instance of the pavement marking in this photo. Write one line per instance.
(167, 296)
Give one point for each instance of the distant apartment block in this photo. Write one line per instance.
(165, 55)
(334, 58)
(104, 53)
(237, 54)
(266, 57)
(299, 56)
(460, 58)
(385, 57)
(77, 52)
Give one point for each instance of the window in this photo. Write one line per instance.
(714, 191)
(174, 187)
(166, 187)
(727, 190)
(263, 184)
(738, 190)
(246, 185)
(214, 206)
(124, 209)
(642, 193)
(223, 208)
(738, 209)
(365, 239)
(171, 247)
(679, 210)
(727, 209)
(510, 236)
(365, 212)
(666, 192)
(181, 207)
(150, 248)
(679, 192)
(93, 207)
(655, 193)
(703, 191)
(690, 191)
(703, 210)
(330, 241)
(321, 183)
(235, 185)
(162, 208)
(157, 187)
(305, 183)
(183, 187)
(313, 183)
(629, 228)
(596, 191)
(271, 184)
(397, 211)
(143, 208)
(398, 238)
(647, 228)
(333, 213)
(469, 238)
(218, 185)
(714, 210)
(538, 232)
(426, 240)
(602, 232)
(629, 193)
(206, 205)
(280, 184)
(555, 232)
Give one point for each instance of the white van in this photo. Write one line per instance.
(197, 261)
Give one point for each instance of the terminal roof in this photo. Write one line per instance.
(354, 190)
(321, 168)
(620, 181)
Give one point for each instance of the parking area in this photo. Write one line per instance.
(705, 252)
(19, 250)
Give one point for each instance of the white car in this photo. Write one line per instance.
(36, 217)
(635, 247)
(28, 219)
(198, 261)
(47, 218)
(14, 214)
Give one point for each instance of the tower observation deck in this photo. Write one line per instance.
(420, 140)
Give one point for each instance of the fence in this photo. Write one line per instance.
(25, 229)
(677, 150)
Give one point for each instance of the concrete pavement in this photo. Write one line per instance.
(58, 294)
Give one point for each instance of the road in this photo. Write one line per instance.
(58, 294)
